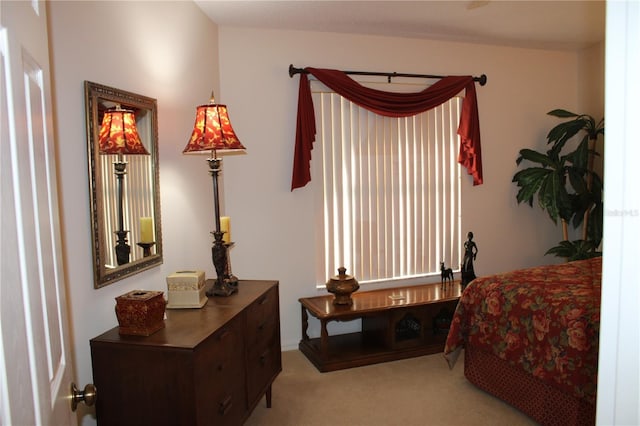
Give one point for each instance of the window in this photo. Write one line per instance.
(390, 190)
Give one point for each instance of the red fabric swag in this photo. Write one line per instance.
(388, 104)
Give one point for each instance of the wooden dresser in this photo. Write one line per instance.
(208, 366)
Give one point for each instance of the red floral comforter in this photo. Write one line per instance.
(544, 319)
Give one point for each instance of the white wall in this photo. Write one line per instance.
(273, 227)
(591, 80)
(591, 94)
(164, 50)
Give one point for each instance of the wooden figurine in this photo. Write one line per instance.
(467, 274)
(445, 274)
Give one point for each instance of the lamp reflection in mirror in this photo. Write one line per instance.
(119, 136)
(213, 132)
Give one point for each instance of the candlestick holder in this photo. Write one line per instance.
(146, 248)
(230, 279)
(123, 250)
(224, 284)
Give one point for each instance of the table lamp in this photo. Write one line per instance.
(212, 132)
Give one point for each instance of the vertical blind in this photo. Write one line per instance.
(390, 192)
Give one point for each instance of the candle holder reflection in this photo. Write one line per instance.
(146, 248)
(119, 136)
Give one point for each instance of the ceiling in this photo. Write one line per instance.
(562, 25)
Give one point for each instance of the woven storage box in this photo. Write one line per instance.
(186, 290)
(140, 312)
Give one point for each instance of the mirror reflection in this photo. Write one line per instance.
(124, 190)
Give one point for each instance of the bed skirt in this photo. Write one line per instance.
(543, 403)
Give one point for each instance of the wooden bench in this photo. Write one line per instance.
(397, 323)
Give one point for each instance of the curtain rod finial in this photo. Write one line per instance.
(293, 70)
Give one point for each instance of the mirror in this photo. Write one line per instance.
(125, 206)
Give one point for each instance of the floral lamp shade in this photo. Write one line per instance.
(119, 134)
(212, 130)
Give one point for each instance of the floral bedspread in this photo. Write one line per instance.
(544, 319)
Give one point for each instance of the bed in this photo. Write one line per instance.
(530, 338)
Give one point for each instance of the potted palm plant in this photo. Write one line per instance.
(565, 183)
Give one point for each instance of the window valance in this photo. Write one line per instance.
(389, 104)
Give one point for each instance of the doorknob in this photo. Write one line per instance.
(88, 395)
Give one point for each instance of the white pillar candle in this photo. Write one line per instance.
(146, 230)
(225, 227)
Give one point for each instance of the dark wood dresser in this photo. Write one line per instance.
(208, 366)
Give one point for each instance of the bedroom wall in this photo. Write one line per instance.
(164, 50)
(590, 77)
(273, 227)
(591, 93)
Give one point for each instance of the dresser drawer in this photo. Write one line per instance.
(263, 344)
(130, 378)
(263, 333)
(262, 367)
(219, 361)
(266, 306)
(263, 322)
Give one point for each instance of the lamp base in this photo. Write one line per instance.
(123, 250)
(226, 284)
(222, 288)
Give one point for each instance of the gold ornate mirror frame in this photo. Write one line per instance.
(141, 188)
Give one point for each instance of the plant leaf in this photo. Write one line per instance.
(553, 197)
(580, 157)
(575, 250)
(529, 181)
(577, 180)
(562, 113)
(535, 157)
(560, 181)
(561, 133)
(595, 229)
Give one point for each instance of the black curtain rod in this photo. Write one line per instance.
(293, 71)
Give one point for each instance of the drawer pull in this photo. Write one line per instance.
(261, 326)
(225, 405)
(263, 357)
(223, 335)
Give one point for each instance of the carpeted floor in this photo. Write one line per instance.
(417, 391)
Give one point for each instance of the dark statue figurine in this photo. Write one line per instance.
(226, 284)
(445, 274)
(466, 269)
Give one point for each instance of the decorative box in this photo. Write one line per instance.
(186, 290)
(140, 312)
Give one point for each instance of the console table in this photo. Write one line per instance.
(397, 323)
(207, 366)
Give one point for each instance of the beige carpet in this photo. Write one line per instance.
(416, 391)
